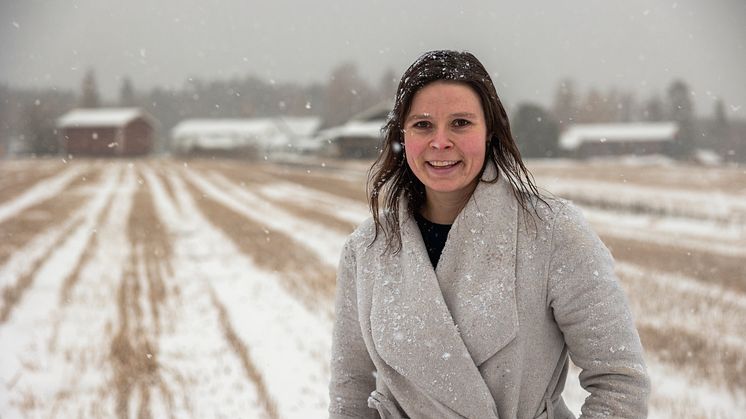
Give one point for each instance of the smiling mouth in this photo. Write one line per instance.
(443, 163)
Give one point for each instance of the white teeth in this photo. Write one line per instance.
(443, 163)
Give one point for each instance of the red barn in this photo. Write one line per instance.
(106, 132)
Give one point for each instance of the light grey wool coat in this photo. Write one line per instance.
(488, 333)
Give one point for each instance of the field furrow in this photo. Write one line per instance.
(39, 192)
(134, 355)
(198, 362)
(319, 203)
(316, 238)
(60, 363)
(668, 176)
(243, 353)
(728, 272)
(20, 271)
(288, 342)
(348, 186)
(697, 235)
(14, 183)
(27, 224)
(303, 253)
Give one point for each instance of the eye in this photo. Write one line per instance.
(422, 124)
(460, 122)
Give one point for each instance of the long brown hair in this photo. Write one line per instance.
(390, 177)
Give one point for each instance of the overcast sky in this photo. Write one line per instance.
(639, 45)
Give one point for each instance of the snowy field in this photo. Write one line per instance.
(159, 288)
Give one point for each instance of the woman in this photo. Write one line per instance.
(465, 295)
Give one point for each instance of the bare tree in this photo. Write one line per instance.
(536, 131)
(387, 85)
(721, 137)
(346, 95)
(626, 107)
(653, 110)
(89, 95)
(40, 131)
(127, 93)
(681, 110)
(565, 107)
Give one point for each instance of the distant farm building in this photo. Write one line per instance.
(360, 137)
(591, 140)
(241, 137)
(106, 132)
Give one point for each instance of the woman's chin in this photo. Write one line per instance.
(442, 187)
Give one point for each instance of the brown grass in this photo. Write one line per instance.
(12, 294)
(351, 189)
(258, 178)
(303, 275)
(133, 354)
(71, 280)
(15, 182)
(243, 353)
(17, 232)
(146, 230)
(92, 242)
(728, 271)
(161, 171)
(316, 216)
(705, 179)
(706, 357)
(246, 174)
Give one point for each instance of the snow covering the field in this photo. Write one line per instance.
(345, 209)
(39, 192)
(702, 234)
(318, 239)
(227, 320)
(288, 343)
(694, 204)
(29, 364)
(24, 259)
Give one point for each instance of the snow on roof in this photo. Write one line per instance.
(378, 111)
(228, 133)
(210, 127)
(574, 136)
(355, 129)
(300, 126)
(99, 117)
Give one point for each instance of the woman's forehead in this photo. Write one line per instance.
(445, 95)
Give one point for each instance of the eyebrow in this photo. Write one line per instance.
(454, 115)
(464, 115)
(418, 116)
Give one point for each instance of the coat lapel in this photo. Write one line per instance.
(415, 330)
(477, 270)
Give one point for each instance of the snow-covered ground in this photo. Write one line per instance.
(204, 289)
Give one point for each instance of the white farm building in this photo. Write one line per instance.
(245, 137)
(354, 139)
(360, 137)
(588, 140)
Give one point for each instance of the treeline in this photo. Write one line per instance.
(27, 116)
(537, 129)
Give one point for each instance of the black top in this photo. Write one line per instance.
(434, 236)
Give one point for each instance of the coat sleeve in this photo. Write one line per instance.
(591, 310)
(352, 371)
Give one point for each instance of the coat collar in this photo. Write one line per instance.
(415, 330)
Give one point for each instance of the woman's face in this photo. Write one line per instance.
(445, 138)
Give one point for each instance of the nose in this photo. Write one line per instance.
(441, 140)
